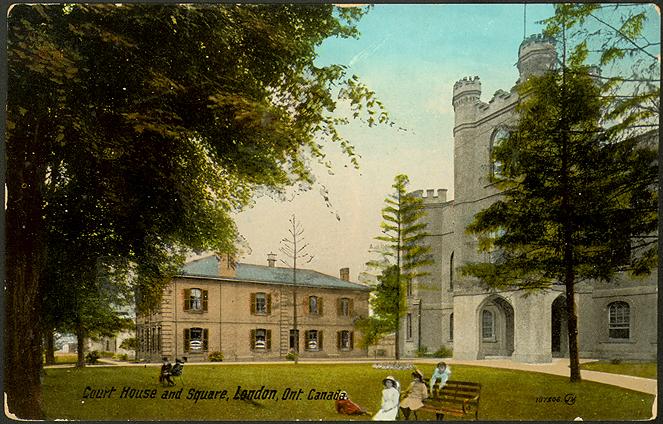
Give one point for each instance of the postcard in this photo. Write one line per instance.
(331, 212)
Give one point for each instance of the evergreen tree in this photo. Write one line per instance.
(578, 204)
(403, 254)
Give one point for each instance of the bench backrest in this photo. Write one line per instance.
(456, 391)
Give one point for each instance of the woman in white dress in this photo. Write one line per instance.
(390, 398)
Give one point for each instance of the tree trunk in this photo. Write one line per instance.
(25, 253)
(80, 343)
(572, 322)
(50, 346)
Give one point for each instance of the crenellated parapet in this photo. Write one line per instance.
(431, 197)
(536, 55)
(467, 90)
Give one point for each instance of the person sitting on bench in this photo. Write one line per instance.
(414, 395)
(165, 371)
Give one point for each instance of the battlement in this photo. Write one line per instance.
(537, 54)
(535, 39)
(466, 83)
(431, 197)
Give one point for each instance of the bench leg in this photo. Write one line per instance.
(439, 416)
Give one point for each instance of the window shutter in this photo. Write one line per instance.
(269, 303)
(351, 305)
(320, 340)
(320, 306)
(187, 297)
(339, 306)
(352, 339)
(205, 339)
(338, 340)
(253, 303)
(268, 340)
(307, 304)
(186, 339)
(252, 340)
(204, 300)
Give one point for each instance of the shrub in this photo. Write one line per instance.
(121, 357)
(421, 352)
(215, 356)
(92, 357)
(105, 354)
(615, 361)
(291, 356)
(443, 352)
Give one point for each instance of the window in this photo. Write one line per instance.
(345, 340)
(261, 339)
(451, 326)
(345, 307)
(195, 300)
(261, 303)
(619, 321)
(315, 305)
(408, 327)
(451, 272)
(497, 167)
(313, 340)
(487, 325)
(196, 339)
(495, 253)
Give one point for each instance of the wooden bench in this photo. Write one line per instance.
(457, 398)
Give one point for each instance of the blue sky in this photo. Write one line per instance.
(410, 55)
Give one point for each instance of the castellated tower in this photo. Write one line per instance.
(467, 95)
(536, 56)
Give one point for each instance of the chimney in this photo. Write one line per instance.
(227, 265)
(345, 274)
(271, 259)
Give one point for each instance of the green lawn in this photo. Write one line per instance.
(505, 394)
(641, 369)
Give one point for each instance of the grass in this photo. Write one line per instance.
(505, 394)
(637, 369)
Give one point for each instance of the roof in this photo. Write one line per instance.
(208, 267)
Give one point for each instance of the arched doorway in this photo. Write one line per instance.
(495, 327)
(559, 335)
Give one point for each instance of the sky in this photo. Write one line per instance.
(410, 55)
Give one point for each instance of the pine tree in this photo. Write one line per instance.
(403, 254)
(578, 203)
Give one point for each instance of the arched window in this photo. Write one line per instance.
(496, 166)
(487, 325)
(619, 320)
(451, 272)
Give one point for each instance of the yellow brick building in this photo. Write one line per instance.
(246, 312)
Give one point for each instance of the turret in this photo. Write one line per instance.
(467, 95)
(536, 56)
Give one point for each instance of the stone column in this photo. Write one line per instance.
(532, 328)
(466, 326)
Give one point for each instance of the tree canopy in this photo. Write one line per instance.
(135, 130)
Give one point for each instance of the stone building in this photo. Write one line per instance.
(616, 320)
(246, 312)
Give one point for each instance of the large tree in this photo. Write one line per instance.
(577, 203)
(402, 256)
(134, 131)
